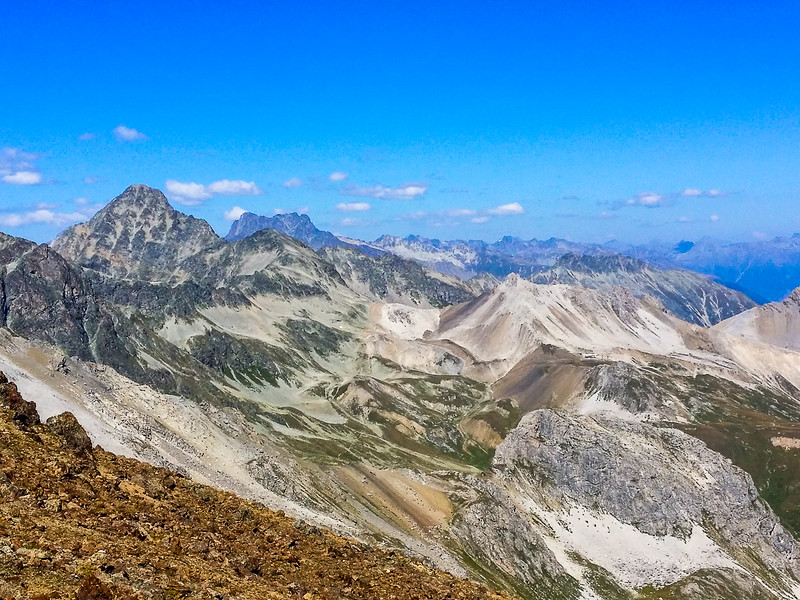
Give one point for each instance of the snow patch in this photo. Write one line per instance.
(634, 558)
(405, 322)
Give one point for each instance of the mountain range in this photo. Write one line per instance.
(689, 295)
(765, 271)
(580, 425)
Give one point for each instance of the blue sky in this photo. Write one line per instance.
(587, 121)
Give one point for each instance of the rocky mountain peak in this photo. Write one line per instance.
(137, 234)
(298, 226)
(142, 197)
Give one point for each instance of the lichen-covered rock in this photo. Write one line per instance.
(70, 432)
(25, 413)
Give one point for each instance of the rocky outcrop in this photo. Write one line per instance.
(73, 437)
(23, 411)
(667, 490)
(494, 531)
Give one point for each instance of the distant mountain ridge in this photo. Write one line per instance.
(766, 270)
(763, 270)
(691, 296)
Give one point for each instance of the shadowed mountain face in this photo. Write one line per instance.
(505, 431)
(393, 279)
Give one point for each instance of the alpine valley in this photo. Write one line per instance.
(552, 420)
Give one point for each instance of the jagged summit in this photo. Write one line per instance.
(137, 234)
(143, 196)
(298, 226)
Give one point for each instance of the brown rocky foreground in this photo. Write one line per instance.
(82, 523)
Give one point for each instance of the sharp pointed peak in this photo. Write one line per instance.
(141, 195)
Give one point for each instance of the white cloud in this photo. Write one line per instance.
(684, 219)
(709, 194)
(513, 208)
(294, 182)
(413, 216)
(18, 168)
(353, 206)
(192, 194)
(23, 178)
(650, 199)
(93, 180)
(189, 190)
(85, 137)
(350, 222)
(81, 201)
(406, 191)
(14, 159)
(461, 212)
(128, 134)
(236, 187)
(714, 218)
(41, 216)
(337, 176)
(186, 201)
(234, 213)
(479, 220)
